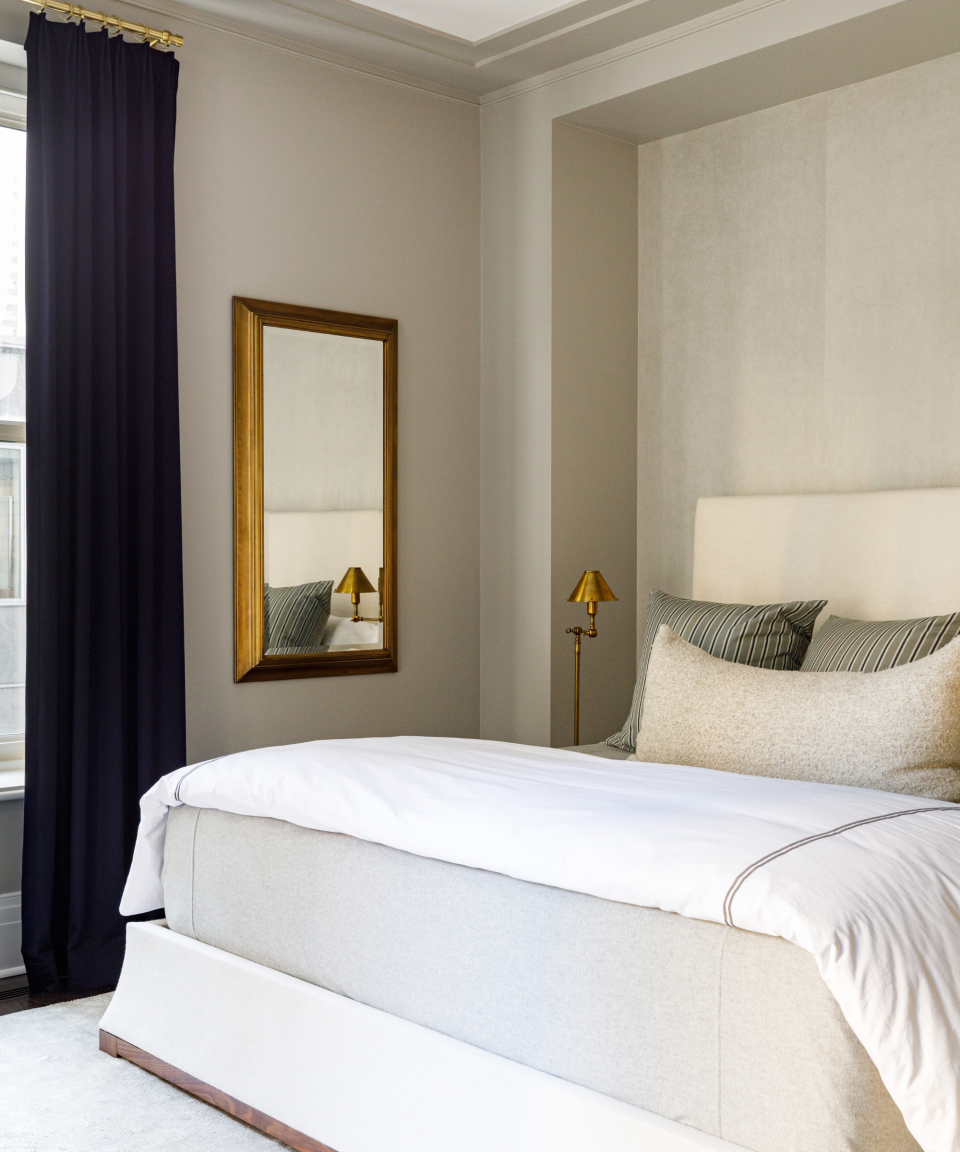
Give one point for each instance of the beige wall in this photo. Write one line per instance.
(301, 182)
(799, 287)
(594, 413)
(516, 506)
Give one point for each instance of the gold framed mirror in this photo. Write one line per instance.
(315, 492)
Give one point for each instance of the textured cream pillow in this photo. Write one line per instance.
(897, 730)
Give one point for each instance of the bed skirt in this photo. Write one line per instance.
(347, 1076)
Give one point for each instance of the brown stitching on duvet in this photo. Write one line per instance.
(189, 771)
(749, 871)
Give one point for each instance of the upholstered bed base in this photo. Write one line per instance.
(727, 1032)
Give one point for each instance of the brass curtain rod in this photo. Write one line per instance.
(150, 36)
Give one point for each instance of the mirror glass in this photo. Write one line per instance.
(315, 444)
(322, 492)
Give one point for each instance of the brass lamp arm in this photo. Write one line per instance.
(592, 630)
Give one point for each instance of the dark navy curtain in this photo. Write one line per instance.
(105, 692)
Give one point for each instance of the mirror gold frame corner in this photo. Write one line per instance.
(251, 664)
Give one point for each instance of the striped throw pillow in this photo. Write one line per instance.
(872, 645)
(761, 635)
(295, 617)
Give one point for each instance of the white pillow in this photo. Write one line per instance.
(897, 730)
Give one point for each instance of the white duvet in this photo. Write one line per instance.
(867, 882)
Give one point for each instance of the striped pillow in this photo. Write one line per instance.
(295, 617)
(763, 636)
(872, 645)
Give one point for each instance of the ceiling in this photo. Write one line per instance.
(468, 19)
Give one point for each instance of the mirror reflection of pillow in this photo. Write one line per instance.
(295, 617)
(897, 730)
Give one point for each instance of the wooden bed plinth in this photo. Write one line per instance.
(114, 1046)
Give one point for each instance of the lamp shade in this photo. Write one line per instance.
(592, 587)
(354, 581)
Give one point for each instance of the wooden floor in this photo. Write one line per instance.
(15, 996)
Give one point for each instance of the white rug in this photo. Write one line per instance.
(59, 1093)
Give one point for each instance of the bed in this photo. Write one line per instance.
(341, 993)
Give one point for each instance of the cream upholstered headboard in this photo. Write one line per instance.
(873, 555)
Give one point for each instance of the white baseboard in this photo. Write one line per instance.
(11, 962)
(352, 1076)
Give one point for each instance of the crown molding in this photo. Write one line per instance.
(738, 11)
(348, 33)
(192, 16)
(547, 35)
(819, 13)
(356, 38)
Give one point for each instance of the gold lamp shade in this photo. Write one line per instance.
(591, 589)
(354, 582)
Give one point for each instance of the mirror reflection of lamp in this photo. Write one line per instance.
(354, 583)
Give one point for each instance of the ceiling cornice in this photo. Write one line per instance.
(738, 11)
(193, 16)
(839, 12)
(351, 34)
(353, 37)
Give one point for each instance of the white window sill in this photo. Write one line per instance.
(11, 781)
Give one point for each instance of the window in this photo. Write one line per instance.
(12, 438)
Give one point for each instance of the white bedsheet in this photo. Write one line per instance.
(876, 904)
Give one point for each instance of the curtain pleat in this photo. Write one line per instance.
(105, 686)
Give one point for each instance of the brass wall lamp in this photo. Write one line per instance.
(591, 589)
